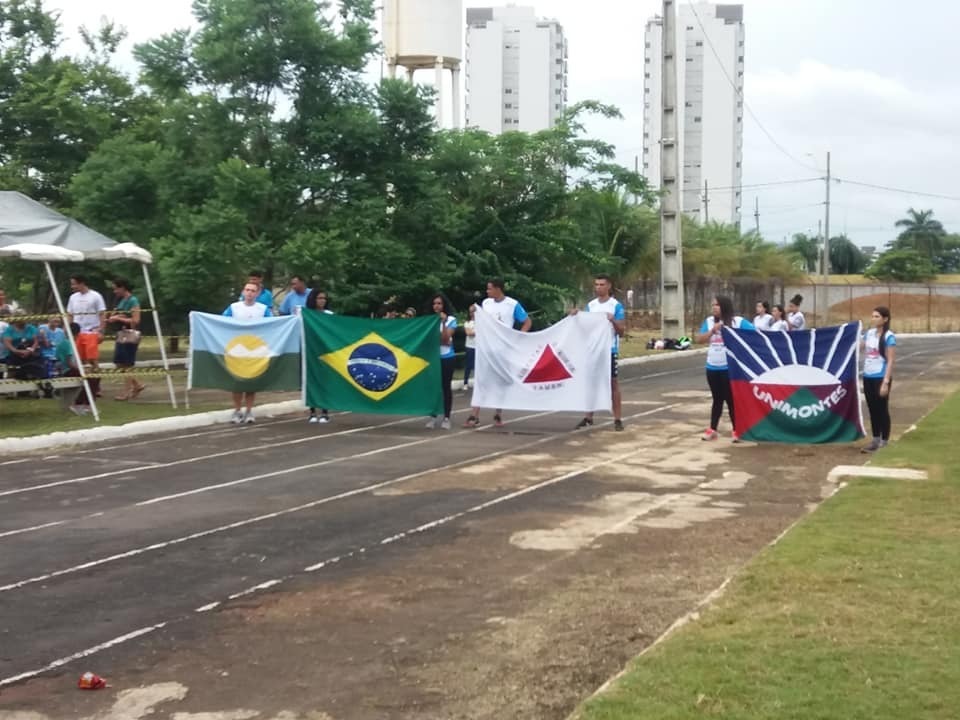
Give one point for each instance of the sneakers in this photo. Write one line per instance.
(498, 421)
(618, 425)
(585, 422)
(431, 424)
(874, 445)
(445, 424)
(248, 418)
(237, 417)
(80, 409)
(324, 419)
(313, 419)
(466, 387)
(709, 434)
(735, 437)
(472, 422)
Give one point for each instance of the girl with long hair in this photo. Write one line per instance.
(778, 321)
(718, 376)
(880, 349)
(441, 306)
(795, 318)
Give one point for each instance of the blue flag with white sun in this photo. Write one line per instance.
(796, 387)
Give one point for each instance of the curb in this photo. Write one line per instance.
(11, 446)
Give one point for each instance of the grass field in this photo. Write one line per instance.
(854, 614)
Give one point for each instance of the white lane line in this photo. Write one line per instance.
(10, 533)
(201, 458)
(234, 525)
(82, 654)
(338, 558)
(16, 462)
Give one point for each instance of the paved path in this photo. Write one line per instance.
(423, 566)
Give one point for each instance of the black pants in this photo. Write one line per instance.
(446, 378)
(879, 407)
(468, 364)
(719, 382)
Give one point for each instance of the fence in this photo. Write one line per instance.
(914, 307)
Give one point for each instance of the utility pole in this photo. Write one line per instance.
(826, 248)
(672, 306)
(756, 213)
(706, 202)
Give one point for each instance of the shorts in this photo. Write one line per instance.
(88, 346)
(125, 354)
(614, 367)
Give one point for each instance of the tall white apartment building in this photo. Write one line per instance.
(516, 70)
(710, 108)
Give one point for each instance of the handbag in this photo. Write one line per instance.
(128, 336)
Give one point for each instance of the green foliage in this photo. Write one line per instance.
(807, 251)
(845, 257)
(947, 259)
(920, 232)
(901, 266)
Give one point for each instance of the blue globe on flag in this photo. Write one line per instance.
(373, 367)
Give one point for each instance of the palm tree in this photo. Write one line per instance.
(807, 249)
(920, 232)
(845, 257)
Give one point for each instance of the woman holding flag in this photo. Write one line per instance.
(718, 376)
(448, 323)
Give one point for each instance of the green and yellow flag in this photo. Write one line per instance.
(372, 366)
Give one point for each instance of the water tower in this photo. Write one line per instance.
(423, 35)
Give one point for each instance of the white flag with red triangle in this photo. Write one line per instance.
(564, 368)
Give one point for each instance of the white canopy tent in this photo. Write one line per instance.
(32, 231)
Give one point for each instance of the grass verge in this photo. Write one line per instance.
(854, 614)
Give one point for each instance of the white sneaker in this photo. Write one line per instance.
(431, 424)
(248, 418)
(79, 409)
(324, 419)
(313, 419)
(445, 424)
(237, 417)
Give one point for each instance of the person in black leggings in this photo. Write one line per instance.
(879, 351)
(441, 306)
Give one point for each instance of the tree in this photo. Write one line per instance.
(947, 260)
(901, 266)
(845, 257)
(807, 251)
(920, 232)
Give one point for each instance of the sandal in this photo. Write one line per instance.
(122, 397)
(136, 391)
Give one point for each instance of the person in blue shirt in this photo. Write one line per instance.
(448, 324)
(51, 335)
(880, 349)
(604, 302)
(718, 376)
(264, 297)
(296, 297)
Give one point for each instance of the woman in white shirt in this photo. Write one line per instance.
(777, 321)
(762, 319)
(879, 346)
(795, 319)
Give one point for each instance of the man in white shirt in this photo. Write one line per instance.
(506, 311)
(87, 309)
(605, 303)
(246, 309)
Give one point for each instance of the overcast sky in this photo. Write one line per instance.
(876, 82)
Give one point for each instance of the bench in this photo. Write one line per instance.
(9, 387)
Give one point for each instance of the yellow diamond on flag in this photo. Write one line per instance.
(375, 366)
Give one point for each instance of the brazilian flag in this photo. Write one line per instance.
(372, 366)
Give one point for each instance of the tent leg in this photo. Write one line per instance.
(156, 325)
(73, 341)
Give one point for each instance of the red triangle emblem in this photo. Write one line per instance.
(548, 368)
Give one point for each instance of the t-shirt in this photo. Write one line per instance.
(63, 353)
(763, 322)
(242, 311)
(507, 312)
(717, 351)
(778, 325)
(17, 336)
(265, 298)
(293, 302)
(614, 307)
(85, 309)
(446, 351)
(471, 341)
(797, 321)
(54, 337)
(874, 364)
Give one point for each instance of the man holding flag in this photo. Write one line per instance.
(246, 309)
(604, 302)
(507, 312)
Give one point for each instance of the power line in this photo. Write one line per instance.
(898, 190)
(739, 93)
(766, 184)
